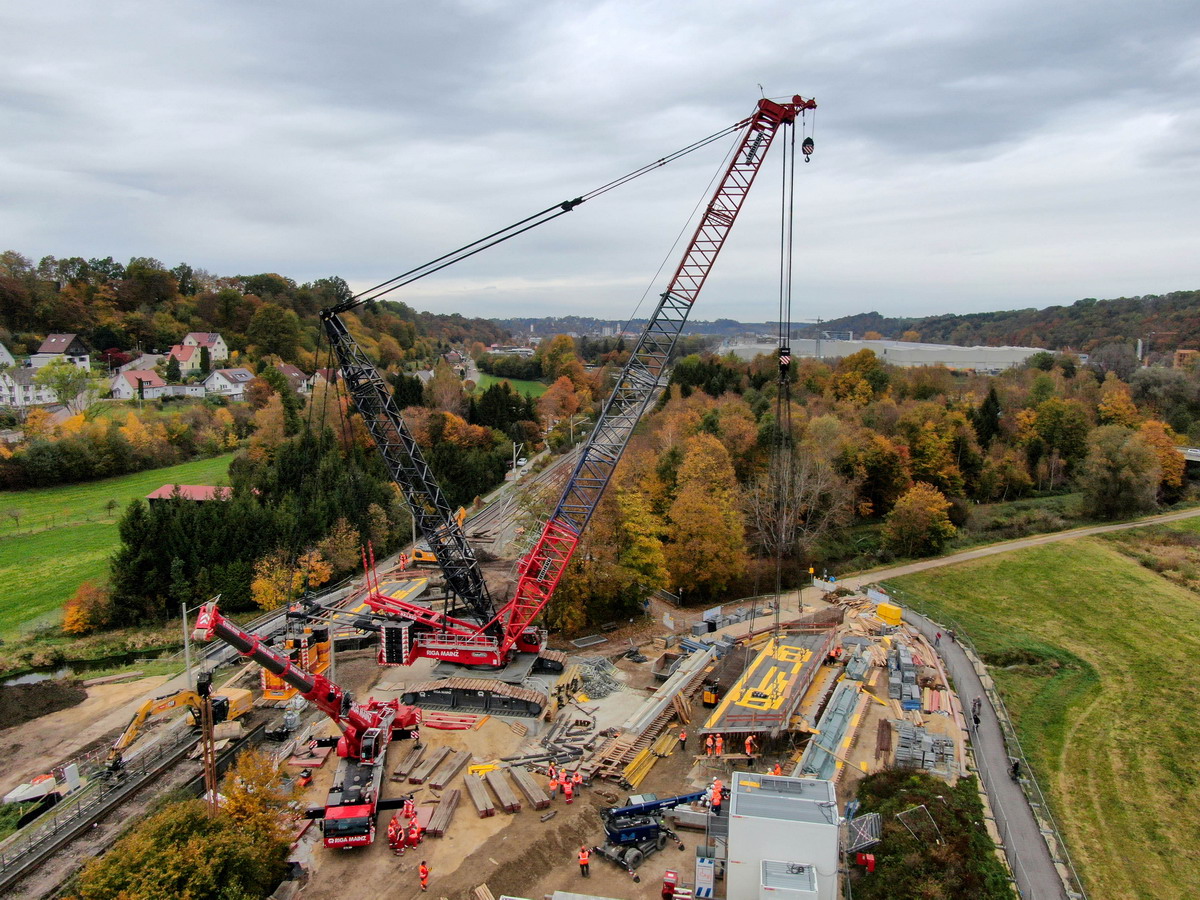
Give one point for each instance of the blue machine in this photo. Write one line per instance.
(635, 831)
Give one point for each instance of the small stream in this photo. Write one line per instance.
(80, 668)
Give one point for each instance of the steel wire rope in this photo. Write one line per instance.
(526, 224)
(683, 229)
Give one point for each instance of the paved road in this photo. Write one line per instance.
(1028, 854)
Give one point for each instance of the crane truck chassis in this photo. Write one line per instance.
(367, 729)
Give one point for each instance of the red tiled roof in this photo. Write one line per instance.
(182, 352)
(204, 338)
(148, 376)
(191, 492)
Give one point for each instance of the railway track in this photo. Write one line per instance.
(32, 847)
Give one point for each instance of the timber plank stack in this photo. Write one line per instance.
(498, 779)
(425, 769)
(480, 796)
(531, 789)
(408, 763)
(449, 768)
(439, 822)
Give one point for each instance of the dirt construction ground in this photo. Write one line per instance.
(516, 854)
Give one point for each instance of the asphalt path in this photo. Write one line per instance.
(1028, 853)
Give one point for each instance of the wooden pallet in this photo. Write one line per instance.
(531, 789)
(425, 769)
(439, 823)
(480, 796)
(449, 768)
(408, 763)
(498, 780)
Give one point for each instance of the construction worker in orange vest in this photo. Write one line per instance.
(552, 771)
(414, 834)
(410, 809)
(718, 789)
(720, 745)
(749, 745)
(708, 746)
(568, 789)
(682, 739)
(423, 871)
(577, 780)
(778, 770)
(395, 834)
(585, 857)
(553, 786)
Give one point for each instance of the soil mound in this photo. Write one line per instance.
(22, 702)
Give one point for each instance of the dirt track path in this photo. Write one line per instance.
(875, 575)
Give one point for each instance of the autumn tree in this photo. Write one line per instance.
(341, 547)
(1120, 474)
(800, 500)
(72, 386)
(88, 610)
(708, 548)
(1165, 444)
(256, 798)
(278, 580)
(183, 851)
(919, 524)
(274, 329)
(1116, 406)
(640, 547)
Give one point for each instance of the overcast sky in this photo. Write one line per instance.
(970, 156)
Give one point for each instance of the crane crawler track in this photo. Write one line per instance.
(477, 695)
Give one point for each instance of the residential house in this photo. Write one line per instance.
(229, 383)
(217, 351)
(68, 347)
(297, 379)
(19, 391)
(188, 357)
(138, 384)
(6, 357)
(322, 377)
(190, 492)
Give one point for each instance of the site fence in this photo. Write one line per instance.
(1030, 786)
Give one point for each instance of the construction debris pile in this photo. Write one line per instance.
(599, 677)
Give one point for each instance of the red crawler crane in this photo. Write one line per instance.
(349, 814)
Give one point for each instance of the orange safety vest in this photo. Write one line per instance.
(423, 871)
(682, 736)
(568, 790)
(553, 785)
(720, 744)
(577, 779)
(708, 742)
(584, 856)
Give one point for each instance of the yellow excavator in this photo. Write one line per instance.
(422, 555)
(230, 704)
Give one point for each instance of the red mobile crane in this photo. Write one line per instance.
(489, 638)
(350, 807)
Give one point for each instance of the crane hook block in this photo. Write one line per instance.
(806, 147)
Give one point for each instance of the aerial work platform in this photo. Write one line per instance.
(765, 698)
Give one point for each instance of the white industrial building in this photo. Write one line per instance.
(897, 353)
(783, 838)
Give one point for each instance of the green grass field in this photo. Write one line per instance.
(66, 534)
(532, 388)
(1093, 654)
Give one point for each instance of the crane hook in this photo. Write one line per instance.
(806, 147)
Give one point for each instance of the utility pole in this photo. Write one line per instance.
(187, 649)
(208, 750)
